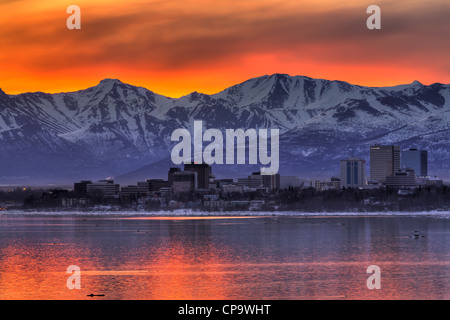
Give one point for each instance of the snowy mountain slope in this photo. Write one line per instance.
(114, 128)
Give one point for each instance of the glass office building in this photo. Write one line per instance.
(384, 161)
(353, 173)
(417, 160)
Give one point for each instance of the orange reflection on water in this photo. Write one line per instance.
(180, 273)
(175, 270)
(189, 258)
(25, 273)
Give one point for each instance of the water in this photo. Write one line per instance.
(295, 257)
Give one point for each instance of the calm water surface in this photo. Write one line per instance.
(224, 257)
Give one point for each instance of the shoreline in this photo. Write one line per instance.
(230, 214)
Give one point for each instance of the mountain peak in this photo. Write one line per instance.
(108, 84)
(110, 81)
(401, 87)
(279, 75)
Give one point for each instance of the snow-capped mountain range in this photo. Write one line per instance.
(118, 130)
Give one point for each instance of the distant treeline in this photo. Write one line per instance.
(423, 198)
(381, 199)
(18, 195)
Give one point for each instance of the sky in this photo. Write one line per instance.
(174, 47)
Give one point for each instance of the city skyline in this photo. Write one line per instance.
(352, 175)
(196, 187)
(357, 173)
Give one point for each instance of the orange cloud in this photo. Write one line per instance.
(174, 47)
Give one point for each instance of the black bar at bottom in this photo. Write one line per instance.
(218, 309)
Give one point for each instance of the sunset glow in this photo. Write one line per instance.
(176, 47)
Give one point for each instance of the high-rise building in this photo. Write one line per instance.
(384, 161)
(353, 173)
(203, 171)
(417, 160)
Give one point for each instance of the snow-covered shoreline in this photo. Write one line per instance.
(196, 213)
